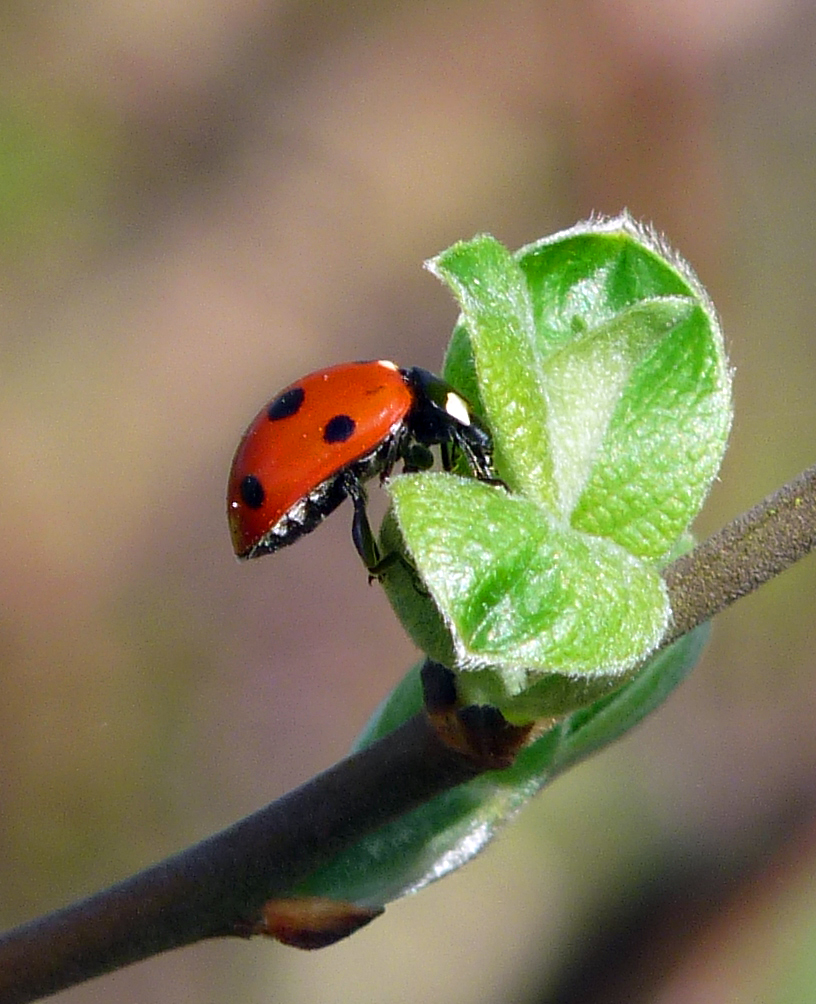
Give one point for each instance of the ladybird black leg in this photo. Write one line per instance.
(395, 558)
(376, 570)
(365, 543)
(479, 732)
(361, 533)
(417, 457)
(480, 463)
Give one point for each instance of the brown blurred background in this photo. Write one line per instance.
(200, 201)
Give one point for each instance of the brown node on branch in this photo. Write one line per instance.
(479, 732)
(309, 921)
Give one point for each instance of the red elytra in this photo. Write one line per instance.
(315, 443)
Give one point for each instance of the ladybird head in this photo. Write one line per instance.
(441, 415)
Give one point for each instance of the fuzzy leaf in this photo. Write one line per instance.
(597, 360)
(533, 597)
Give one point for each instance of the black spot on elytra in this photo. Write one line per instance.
(286, 404)
(339, 429)
(252, 492)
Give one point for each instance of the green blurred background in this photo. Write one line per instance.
(199, 202)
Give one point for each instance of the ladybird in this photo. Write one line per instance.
(320, 439)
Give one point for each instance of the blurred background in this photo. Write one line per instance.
(200, 200)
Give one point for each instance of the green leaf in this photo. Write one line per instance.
(533, 598)
(625, 386)
(597, 360)
(664, 442)
(441, 836)
(492, 292)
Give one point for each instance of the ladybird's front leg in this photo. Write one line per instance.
(479, 732)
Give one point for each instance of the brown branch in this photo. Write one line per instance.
(210, 888)
(213, 886)
(744, 555)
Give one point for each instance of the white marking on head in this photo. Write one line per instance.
(455, 406)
